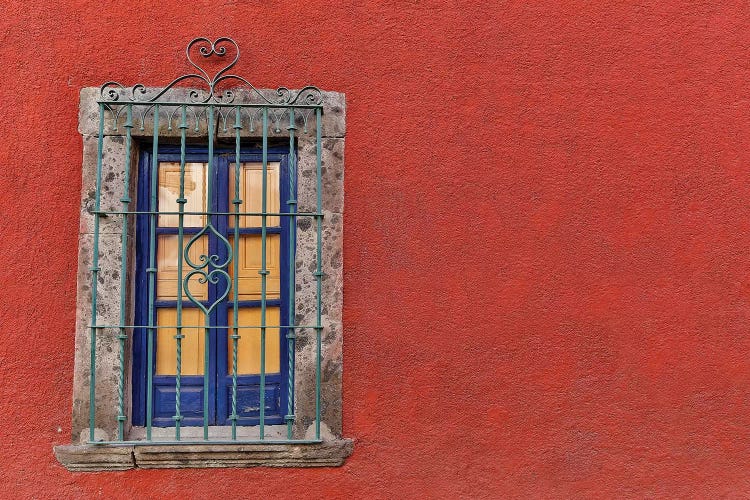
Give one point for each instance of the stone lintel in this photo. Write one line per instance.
(333, 119)
(102, 457)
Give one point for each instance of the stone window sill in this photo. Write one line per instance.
(104, 457)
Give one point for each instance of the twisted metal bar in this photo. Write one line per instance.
(237, 201)
(180, 240)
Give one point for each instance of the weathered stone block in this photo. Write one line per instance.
(328, 454)
(113, 183)
(332, 175)
(107, 345)
(305, 377)
(306, 265)
(80, 458)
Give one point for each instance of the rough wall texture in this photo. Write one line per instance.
(546, 241)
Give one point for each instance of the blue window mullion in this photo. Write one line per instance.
(188, 231)
(141, 312)
(219, 337)
(215, 247)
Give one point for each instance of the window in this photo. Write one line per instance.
(172, 237)
(167, 242)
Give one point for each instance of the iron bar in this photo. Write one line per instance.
(237, 201)
(207, 319)
(241, 214)
(152, 275)
(263, 273)
(290, 334)
(180, 241)
(125, 200)
(95, 276)
(218, 441)
(214, 104)
(319, 266)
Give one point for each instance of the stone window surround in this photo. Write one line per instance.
(334, 449)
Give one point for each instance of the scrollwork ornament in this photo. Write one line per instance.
(201, 269)
(213, 259)
(206, 48)
(212, 277)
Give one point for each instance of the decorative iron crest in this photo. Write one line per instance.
(115, 92)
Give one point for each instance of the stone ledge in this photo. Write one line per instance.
(81, 458)
(84, 458)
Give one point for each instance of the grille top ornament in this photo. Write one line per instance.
(115, 92)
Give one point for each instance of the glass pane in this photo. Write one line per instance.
(195, 193)
(166, 266)
(192, 345)
(251, 190)
(248, 345)
(250, 263)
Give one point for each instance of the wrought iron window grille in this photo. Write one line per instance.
(227, 120)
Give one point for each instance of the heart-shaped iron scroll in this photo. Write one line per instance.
(202, 269)
(216, 48)
(111, 92)
(213, 278)
(205, 259)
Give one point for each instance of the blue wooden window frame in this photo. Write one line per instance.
(220, 379)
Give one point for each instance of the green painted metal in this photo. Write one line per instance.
(216, 441)
(95, 276)
(209, 204)
(308, 96)
(319, 263)
(237, 201)
(291, 332)
(180, 243)
(229, 104)
(151, 270)
(125, 200)
(206, 104)
(242, 214)
(263, 274)
(215, 327)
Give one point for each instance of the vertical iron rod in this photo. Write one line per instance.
(291, 332)
(263, 273)
(207, 322)
(152, 274)
(237, 201)
(180, 240)
(95, 275)
(319, 267)
(123, 277)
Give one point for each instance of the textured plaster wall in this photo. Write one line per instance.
(546, 239)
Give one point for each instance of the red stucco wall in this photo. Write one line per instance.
(546, 245)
